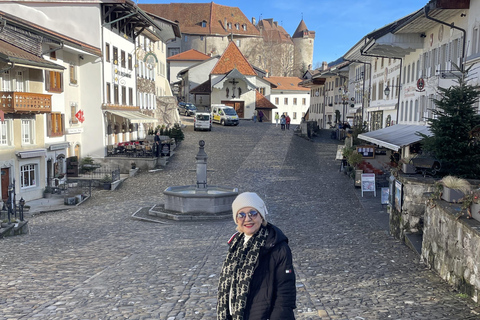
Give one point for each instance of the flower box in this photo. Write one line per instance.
(451, 195)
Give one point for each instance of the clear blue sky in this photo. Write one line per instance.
(338, 24)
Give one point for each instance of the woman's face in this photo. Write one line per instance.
(248, 223)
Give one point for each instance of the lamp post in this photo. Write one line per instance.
(387, 93)
(344, 94)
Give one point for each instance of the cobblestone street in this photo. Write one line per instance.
(97, 262)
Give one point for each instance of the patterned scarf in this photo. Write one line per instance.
(237, 272)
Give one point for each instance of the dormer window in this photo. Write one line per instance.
(237, 26)
(244, 27)
(229, 25)
(204, 24)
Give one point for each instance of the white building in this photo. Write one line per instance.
(289, 98)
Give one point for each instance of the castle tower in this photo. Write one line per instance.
(303, 41)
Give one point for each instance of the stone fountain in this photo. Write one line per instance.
(200, 199)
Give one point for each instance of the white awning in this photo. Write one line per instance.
(32, 153)
(133, 116)
(396, 136)
(59, 146)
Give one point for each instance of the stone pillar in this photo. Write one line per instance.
(201, 167)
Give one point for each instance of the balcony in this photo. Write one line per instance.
(25, 102)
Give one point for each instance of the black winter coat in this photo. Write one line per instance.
(272, 293)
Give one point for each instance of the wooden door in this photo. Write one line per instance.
(5, 182)
(238, 106)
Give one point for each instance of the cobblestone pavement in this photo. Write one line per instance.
(96, 262)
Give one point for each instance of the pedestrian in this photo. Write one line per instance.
(157, 144)
(287, 122)
(282, 122)
(255, 115)
(257, 280)
(260, 116)
(277, 117)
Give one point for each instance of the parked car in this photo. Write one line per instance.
(187, 109)
(202, 121)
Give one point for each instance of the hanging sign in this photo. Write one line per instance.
(79, 115)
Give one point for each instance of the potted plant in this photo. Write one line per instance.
(471, 203)
(106, 181)
(454, 188)
(47, 192)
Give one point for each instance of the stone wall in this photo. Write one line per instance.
(451, 247)
(411, 219)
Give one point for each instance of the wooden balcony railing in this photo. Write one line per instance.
(24, 102)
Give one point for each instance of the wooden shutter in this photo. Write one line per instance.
(47, 80)
(49, 124)
(63, 124)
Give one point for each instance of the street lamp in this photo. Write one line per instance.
(387, 89)
(344, 102)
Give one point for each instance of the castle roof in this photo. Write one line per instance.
(204, 18)
(303, 30)
(272, 32)
(191, 54)
(231, 59)
(287, 83)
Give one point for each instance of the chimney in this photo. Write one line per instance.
(275, 23)
(324, 65)
(254, 21)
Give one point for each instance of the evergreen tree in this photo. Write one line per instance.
(452, 124)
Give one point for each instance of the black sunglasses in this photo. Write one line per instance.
(242, 215)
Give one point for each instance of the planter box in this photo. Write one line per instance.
(474, 209)
(408, 168)
(451, 195)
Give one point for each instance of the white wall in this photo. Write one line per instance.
(296, 112)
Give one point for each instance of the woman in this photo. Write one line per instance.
(257, 280)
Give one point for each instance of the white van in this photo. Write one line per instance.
(224, 115)
(202, 121)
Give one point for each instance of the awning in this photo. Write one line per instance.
(396, 136)
(133, 116)
(32, 153)
(59, 146)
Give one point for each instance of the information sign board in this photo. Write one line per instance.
(368, 183)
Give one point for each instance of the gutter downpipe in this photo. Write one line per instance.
(426, 9)
(401, 64)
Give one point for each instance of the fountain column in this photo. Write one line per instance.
(201, 167)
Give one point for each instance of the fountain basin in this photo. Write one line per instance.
(190, 199)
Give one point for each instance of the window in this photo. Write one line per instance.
(262, 90)
(53, 81)
(229, 25)
(201, 38)
(304, 101)
(6, 81)
(109, 93)
(27, 132)
(73, 74)
(20, 82)
(238, 43)
(204, 24)
(294, 115)
(401, 111)
(185, 38)
(237, 26)
(295, 101)
(73, 112)
(55, 124)
(130, 63)
(123, 62)
(130, 96)
(173, 51)
(285, 101)
(244, 27)
(413, 72)
(410, 115)
(53, 55)
(115, 94)
(115, 56)
(277, 101)
(27, 175)
(5, 133)
(107, 52)
(124, 95)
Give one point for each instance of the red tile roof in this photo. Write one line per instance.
(191, 54)
(302, 27)
(287, 83)
(19, 55)
(231, 59)
(191, 15)
(262, 103)
(272, 32)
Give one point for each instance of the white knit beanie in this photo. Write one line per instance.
(249, 199)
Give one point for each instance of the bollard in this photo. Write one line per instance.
(22, 204)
